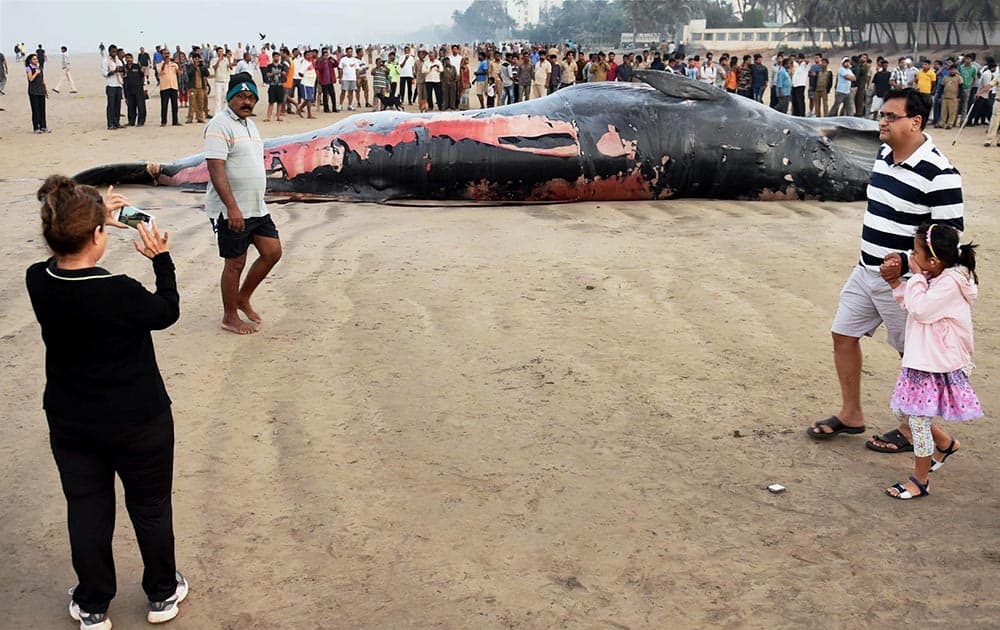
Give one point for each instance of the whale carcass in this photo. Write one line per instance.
(667, 137)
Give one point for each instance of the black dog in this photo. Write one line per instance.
(390, 101)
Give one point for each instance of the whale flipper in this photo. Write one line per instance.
(127, 173)
(676, 86)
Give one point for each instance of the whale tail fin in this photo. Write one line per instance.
(113, 174)
(676, 86)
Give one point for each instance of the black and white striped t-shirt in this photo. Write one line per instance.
(903, 195)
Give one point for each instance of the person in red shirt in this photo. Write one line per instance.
(263, 61)
(612, 67)
(325, 74)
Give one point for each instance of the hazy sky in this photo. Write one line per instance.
(81, 25)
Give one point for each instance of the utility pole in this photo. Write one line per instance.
(916, 31)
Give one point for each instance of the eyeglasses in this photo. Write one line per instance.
(890, 117)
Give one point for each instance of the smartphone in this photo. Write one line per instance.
(132, 216)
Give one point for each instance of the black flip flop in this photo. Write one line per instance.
(836, 426)
(892, 437)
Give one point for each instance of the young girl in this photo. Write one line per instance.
(938, 356)
(491, 92)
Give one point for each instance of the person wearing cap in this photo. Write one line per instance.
(234, 202)
(842, 103)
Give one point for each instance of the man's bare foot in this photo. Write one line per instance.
(251, 314)
(267, 120)
(238, 326)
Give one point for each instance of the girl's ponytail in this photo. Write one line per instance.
(967, 257)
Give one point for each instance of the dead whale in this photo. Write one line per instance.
(668, 137)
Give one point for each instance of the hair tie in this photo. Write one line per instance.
(930, 245)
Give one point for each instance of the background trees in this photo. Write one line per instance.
(601, 22)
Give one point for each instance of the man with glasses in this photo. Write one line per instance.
(912, 182)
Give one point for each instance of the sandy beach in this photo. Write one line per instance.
(548, 416)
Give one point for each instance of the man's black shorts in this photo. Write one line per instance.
(275, 94)
(235, 244)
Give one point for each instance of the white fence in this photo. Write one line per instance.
(698, 36)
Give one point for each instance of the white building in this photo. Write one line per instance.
(528, 12)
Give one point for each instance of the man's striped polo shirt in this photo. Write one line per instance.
(901, 196)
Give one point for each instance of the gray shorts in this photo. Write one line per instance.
(865, 303)
(348, 86)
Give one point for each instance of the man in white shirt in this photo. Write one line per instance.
(456, 56)
(348, 68)
(543, 69)
(245, 64)
(432, 80)
(800, 81)
(111, 70)
(406, 74)
(708, 72)
(66, 75)
(222, 69)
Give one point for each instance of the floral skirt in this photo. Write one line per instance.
(930, 394)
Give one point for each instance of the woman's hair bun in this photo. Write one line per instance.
(69, 213)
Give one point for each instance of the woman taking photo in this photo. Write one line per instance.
(37, 93)
(107, 408)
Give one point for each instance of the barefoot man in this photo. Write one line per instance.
(234, 202)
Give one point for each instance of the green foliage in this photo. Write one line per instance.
(719, 15)
(754, 18)
(483, 20)
(583, 21)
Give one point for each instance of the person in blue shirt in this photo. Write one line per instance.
(482, 73)
(782, 87)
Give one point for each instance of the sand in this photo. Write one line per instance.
(518, 417)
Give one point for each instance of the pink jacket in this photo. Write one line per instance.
(939, 321)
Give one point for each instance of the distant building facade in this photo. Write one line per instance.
(529, 12)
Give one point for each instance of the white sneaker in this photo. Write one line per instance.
(88, 621)
(166, 610)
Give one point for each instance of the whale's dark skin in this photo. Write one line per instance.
(669, 137)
